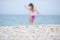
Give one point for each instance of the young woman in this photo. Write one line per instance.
(32, 12)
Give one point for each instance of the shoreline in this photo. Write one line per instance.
(33, 25)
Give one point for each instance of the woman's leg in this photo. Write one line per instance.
(31, 20)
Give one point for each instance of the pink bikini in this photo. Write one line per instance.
(33, 15)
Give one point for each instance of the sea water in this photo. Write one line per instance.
(12, 20)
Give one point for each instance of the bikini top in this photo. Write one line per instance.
(32, 12)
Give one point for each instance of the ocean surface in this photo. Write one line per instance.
(12, 20)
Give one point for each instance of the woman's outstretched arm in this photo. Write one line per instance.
(37, 11)
(26, 7)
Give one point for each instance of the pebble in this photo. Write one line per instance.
(39, 32)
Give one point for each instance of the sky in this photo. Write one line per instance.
(44, 7)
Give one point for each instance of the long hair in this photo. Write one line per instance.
(31, 4)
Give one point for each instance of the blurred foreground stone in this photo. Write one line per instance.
(40, 32)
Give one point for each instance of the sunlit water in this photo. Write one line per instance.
(6, 20)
